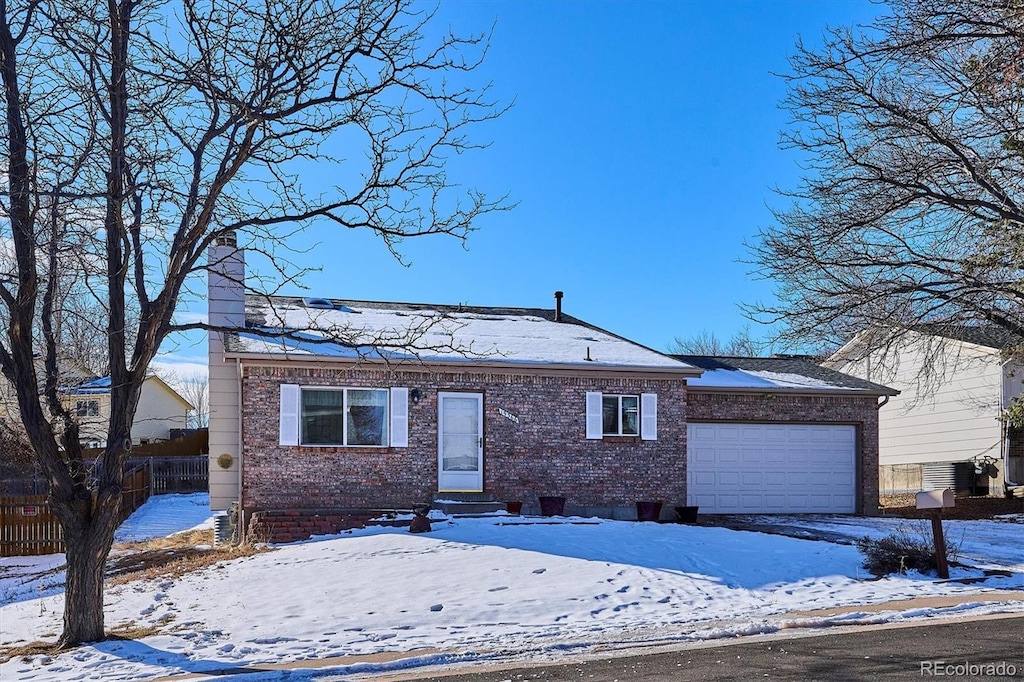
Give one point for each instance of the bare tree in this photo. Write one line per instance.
(195, 388)
(707, 343)
(910, 211)
(139, 132)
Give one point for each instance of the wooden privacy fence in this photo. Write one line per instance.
(28, 526)
(178, 474)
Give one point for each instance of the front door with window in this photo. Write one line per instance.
(460, 446)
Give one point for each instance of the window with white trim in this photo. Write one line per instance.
(344, 416)
(620, 415)
(87, 408)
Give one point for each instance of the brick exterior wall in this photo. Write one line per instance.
(293, 525)
(774, 407)
(545, 453)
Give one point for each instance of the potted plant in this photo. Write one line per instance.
(686, 514)
(648, 510)
(551, 505)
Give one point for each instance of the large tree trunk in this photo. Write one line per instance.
(88, 544)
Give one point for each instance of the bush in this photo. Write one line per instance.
(901, 552)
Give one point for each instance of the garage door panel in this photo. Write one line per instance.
(703, 455)
(727, 455)
(728, 478)
(799, 459)
(772, 468)
(820, 478)
(701, 478)
(752, 478)
(752, 457)
(796, 434)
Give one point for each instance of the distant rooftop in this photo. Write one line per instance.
(99, 386)
(440, 333)
(980, 335)
(775, 373)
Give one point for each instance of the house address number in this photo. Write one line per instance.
(508, 415)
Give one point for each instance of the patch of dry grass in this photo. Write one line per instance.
(172, 556)
(26, 651)
(126, 631)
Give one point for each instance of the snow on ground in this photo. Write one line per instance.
(497, 587)
(163, 515)
(991, 543)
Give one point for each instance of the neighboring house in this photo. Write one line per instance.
(161, 409)
(944, 428)
(780, 434)
(503, 403)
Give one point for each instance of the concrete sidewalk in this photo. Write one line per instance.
(915, 603)
(306, 664)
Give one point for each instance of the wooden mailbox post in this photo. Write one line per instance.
(936, 500)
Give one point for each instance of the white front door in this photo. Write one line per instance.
(460, 442)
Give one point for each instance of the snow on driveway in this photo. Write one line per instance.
(487, 588)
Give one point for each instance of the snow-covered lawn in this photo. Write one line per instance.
(483, 589)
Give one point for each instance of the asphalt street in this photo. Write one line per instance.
(990, 648)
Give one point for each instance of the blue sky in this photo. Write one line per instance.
(642, 150)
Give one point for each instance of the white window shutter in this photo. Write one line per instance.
(649, 416)
(400, 417)
(289, 414)
(595, 424)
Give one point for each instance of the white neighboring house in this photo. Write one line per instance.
(946, 430)
(160, 410)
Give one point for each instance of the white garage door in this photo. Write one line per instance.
(771, 468)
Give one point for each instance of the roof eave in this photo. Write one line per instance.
(796, 390)
(683, 372)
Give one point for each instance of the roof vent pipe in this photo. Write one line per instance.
(558, 306)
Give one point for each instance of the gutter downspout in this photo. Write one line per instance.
(242, 521)
(885, 400)
(1004, 429)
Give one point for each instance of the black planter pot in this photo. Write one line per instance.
(686, 514)
(552, 506)
(648, 511)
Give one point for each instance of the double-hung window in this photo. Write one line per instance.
(87, 408)
(344, 416)
(620, 415)
(338, 416)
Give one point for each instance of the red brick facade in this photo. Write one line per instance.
(534, 444)
(545, 453)
(806, 409)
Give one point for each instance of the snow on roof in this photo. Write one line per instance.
(439, 333)
(775, 373)
(97, 386)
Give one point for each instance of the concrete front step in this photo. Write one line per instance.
(467, 503)
(463, 497)
(462, 508)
